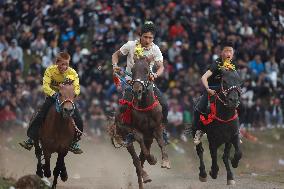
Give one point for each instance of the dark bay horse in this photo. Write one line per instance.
(56, 134)
(146, 115)
(223, 128)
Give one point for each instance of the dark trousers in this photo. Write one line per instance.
(165, 108)
(39, 117)
(163, 102)
(37, 121)
(202, 107)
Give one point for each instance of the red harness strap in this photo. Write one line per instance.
(126, 116)
(149, 108)
(213, 115)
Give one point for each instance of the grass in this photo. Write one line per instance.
(5, 183)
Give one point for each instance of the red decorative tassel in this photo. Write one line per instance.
(126, 116)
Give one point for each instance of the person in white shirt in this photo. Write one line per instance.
(152, 52)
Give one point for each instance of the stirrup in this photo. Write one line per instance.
(28, 144)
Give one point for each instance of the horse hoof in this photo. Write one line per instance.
(47, 173)
(64, 176)
(212, 176)
(231, 182)
(152, 160)
(39, 173)
(166, 164)
(203, 179)
(234, 164)
(146, 178)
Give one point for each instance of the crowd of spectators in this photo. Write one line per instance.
(189, 32)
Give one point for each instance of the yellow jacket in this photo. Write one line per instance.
(52, 78)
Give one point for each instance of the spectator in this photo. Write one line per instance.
(274, 114)
(16, 53)
(189, 45)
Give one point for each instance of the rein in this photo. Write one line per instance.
(58, 107)
(213, 109)
(219, 119)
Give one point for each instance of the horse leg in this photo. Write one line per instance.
(136, 163)
(165, 158)
(57, 169)
(38, 153)
(238, 153)
(46, 167)
(214, 167)
(202, 171)
(149, 157)
(63, 173)
(226, 155)
(145, 175)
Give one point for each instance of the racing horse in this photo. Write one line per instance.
(144, 115)
(56, 134)
(221, 126)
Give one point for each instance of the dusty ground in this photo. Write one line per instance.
(103, 167)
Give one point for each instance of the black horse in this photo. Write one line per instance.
(222, 126)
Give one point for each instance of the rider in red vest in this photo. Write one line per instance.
(211, 80)
(54, 76)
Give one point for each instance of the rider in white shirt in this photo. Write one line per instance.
(153, 53)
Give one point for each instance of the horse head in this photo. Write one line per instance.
(140, 77)
(66, 98)
(231, 88)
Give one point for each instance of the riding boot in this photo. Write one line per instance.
(128, 139)
(196, 131)
(75, 147)
(27, 144)
(197, 137)
(36, 122)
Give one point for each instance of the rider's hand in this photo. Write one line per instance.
(116, 69)
(211, 92)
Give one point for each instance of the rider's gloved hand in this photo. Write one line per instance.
(115, 68)
(211, 92)
(54, 96)
(153, 76)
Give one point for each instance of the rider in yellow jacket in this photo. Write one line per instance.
(54, 76)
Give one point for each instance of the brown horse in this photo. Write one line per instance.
(56, 134)
(146, 116)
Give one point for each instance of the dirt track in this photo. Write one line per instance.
(103, 167)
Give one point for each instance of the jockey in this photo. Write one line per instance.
(55, 75)
(211, 80)
(153, 53)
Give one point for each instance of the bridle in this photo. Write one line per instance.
(59, 104)
(225, 92)
(145, 84)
